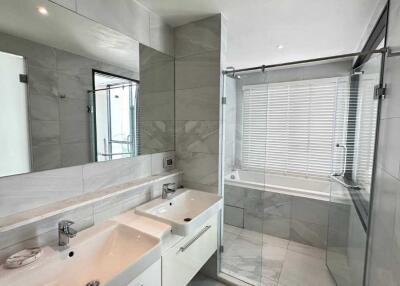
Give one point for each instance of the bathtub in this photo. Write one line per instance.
(284, 184)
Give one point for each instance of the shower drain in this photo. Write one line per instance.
(93, 283)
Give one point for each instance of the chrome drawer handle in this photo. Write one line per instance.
(190, 242)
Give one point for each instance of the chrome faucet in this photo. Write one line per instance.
(65, 232)
(168, 189)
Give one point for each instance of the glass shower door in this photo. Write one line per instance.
(243, 180)
(351, 190)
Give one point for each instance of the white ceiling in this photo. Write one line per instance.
(306, 28)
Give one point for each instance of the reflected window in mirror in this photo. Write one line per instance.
(114, 112)
(14, 125)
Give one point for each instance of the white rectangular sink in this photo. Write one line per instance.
(185, 211)
(111, 253)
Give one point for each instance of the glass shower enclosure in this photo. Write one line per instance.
(299, 144)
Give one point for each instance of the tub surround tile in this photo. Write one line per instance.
(276, 204)
(234, 196)
(277, 226)
(309, 210)
(308, 233)
(234, 216)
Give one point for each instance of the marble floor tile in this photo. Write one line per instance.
(232, 229)
(275, 241)
(243, 260)
(307, 250)
(273, 258)
(268, 260)
(303, 270)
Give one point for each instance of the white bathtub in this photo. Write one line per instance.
(284, 184)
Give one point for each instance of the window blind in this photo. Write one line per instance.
(293, 127)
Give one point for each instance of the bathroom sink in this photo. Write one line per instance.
(185, 211)
(111, 253)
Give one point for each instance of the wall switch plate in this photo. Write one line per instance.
(169, 162)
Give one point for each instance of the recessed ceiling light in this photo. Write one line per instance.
(279, 47)
(42, 10)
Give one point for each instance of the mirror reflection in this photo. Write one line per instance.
(76, 98)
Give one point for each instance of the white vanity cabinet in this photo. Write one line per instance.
(182, 261)
(150, 277)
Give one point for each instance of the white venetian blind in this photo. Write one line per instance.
(293, 127)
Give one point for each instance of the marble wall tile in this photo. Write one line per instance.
(199, 186)
(233, 216)
(198, 103)
(73, 154)
(133, 19)
(74, 109)
(74, 131)
(45, 132)
(44, 232)
(119, 204)
(43, 107)
(105, 174)
(157, 77)
(74, 86)
(42, 81)
(74, 65)
(197, 136)
(37, 55)
(156, 136)
(19, 193)
(198, 37)
(198, 168)
(46, 157)
(198, 71)
(158, 111)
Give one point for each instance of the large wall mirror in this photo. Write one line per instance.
(74, 91)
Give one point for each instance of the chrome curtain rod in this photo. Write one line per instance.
(112, 87)
(264, 67)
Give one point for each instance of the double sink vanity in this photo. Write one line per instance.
(163, 242)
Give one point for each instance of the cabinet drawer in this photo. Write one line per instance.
(184, 260)
(150, 277)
